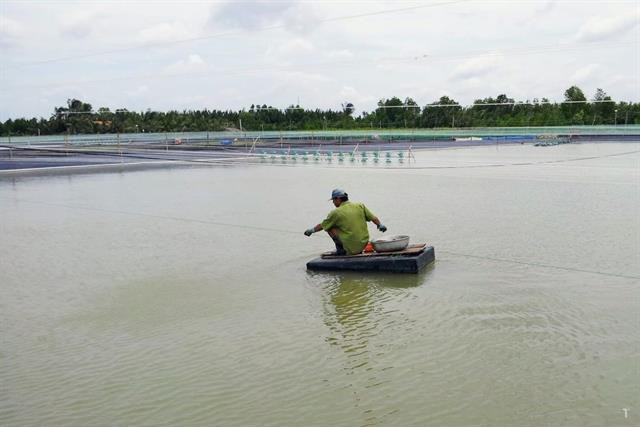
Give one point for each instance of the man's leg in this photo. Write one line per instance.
(333, 233)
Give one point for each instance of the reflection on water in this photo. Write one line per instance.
(357, 308)
(351, 303)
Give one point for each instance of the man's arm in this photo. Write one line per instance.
(312, 230)
(369, 216)
(327, 224)
(377, 222)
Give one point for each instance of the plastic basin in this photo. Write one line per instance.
(390, 243)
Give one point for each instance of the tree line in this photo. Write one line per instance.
(78, 117)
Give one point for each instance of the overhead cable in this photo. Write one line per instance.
(236, 33)
(250, 69)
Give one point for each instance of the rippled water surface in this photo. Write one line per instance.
(179, 296)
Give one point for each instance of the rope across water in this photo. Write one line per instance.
(299, 234)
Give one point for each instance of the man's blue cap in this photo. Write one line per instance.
(337, 193)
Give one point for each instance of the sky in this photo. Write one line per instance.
(189, 55)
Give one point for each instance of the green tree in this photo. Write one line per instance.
(348, 108)
(441, 113)
(411, 113)
(574, 102)
(76, 116)
(603, 108)
(390, 112)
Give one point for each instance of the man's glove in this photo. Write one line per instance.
(382, 228)
(309, 231)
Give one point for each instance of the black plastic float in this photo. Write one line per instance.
(410, 260)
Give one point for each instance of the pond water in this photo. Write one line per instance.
(179, 296)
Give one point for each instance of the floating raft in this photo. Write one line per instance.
(410, 260)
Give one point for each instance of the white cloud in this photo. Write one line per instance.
(249, 15)
(193, 63)
(360, 101)
(477, 67)
(603, 28)
(303, 78)
(625, 87)
(545, 7)
(138, 91)
(164, 32)
(295, 46)
(301, 19)
(472, 84)
(197, 101)
(297, 17)
(79, 25)
(585, 73)
(326, 61)
(340, 54)
(10, 33)
(348, 92)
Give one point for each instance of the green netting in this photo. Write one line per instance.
(235, 137)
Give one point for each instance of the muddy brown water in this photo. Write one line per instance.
(179, 296)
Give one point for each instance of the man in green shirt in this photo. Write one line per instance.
(347, 224)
